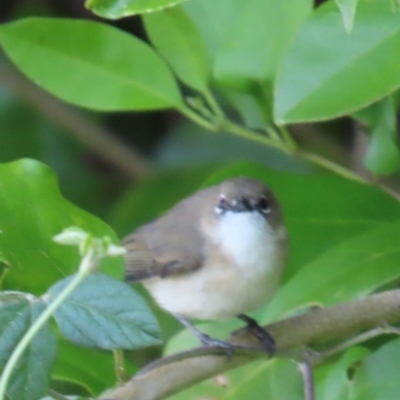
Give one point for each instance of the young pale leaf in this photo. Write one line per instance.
(90, 64)
(105, 313)
(377, 376)
(178, 40)
(32, 211)
(31, 376)
(328, 73)
(383, 155)
(348, 10)
(113, 9)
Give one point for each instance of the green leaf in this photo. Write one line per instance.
(21, 130)
(332, 380)
(377, 377)
(208, 14)
(328, 73)
(31, 376)
(178, 40)
(247, 51)
(27, 133)
(260, 380)
(259, 36)
(383, 155)
(113, 9)
(90, 64)
(105, 313)
(348, 11)
(349, 270)
(32, 211)
(90, 368)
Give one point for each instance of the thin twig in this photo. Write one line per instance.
(306, 371)
(55, 395)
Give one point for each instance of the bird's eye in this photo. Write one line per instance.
(223, 203)
(263, 204)
(222, 206)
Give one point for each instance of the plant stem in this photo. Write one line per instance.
(245, 133)
(119, 366)
(306, 371)
(198, 119)
(287, 137)
(55, 395)
(84, 270)
(330, 165)
(272, 132)
(214, 104)
(287, 145)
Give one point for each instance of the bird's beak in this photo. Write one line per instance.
(240, 205)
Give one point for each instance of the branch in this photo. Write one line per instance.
(76, 124)
(171, 374)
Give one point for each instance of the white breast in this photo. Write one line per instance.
(242, 279)
(247, 239)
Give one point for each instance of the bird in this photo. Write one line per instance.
(215, 255)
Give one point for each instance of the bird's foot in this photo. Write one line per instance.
(207, 340)
(267, 341)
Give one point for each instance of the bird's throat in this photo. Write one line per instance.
(247, 240)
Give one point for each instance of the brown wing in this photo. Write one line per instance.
(162, 249)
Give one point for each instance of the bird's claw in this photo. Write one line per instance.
(227, 347)
(267, 341)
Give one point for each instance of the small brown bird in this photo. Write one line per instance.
(216, 254)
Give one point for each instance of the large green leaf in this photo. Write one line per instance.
(258, 38)
(332, 380)
(31, 376)
(114, 9)
(90, 64)
(377, 376)
(328, 73)
(178, 40)
(105, 313)
(27, 133)
(32, 211)
(351, 269)
(247, 51)
(260, 380)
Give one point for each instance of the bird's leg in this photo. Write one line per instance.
(205, 339)
(265, 338)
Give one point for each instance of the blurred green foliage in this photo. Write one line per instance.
(246, 73)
